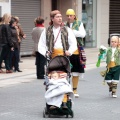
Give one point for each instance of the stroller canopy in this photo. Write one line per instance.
(59, 63)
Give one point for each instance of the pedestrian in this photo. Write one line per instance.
(40, 59)
(0, 36)
(20, 33)
(1, 45)
(6, 41)
(113, 65)
(14, 57)
(57, 39)
(78, 58)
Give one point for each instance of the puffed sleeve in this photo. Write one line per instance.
(81, 33)
(72, 41)
(42, 48)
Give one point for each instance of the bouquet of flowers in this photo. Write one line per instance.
(102, 54)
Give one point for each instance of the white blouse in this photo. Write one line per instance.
(81, 33)
(42, 48)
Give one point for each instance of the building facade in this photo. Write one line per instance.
(93, 13)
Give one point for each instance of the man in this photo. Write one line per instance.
(57, 39)
(79, 32)
(20, 34)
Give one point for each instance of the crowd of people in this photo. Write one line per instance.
(59, 38)
(11, 35)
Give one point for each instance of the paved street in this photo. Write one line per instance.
(22, 95)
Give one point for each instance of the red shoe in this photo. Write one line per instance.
(9, 71)
(1, 71)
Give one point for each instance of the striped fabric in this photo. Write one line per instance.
(82, 56)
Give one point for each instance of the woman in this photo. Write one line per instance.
(40, 59)
(15, 52)
(7, 44)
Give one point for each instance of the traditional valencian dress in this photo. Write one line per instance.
(113, 66)
(78, 58)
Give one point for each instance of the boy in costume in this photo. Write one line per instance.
(113, 65)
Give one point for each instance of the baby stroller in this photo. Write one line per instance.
(58, 63)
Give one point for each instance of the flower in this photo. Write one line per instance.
(102, 53)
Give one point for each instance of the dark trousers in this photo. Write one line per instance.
(5, 55)
(0, 50)
(14, 59)
(113, 74)
(40, 63)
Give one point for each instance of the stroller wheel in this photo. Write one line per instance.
(45, 113)
(72, 114)
(66, 116)
(49, 115)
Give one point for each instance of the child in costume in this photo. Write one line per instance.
(113, 65)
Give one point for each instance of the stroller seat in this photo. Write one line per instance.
(55, 92)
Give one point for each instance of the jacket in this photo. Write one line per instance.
(6, 35)
(36, 33)
(116, 56)
(14, 37)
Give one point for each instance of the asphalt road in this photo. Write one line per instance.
(23, 99)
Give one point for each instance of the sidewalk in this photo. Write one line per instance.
(28, 67)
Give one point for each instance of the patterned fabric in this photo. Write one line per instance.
(75, 26)
(82, 56)
(50, 38)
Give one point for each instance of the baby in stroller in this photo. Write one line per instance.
(57, 89)
(59, 92)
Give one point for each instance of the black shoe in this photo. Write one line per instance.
(40, 77)
(17, 70)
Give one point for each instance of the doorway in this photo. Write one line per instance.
(54, 4)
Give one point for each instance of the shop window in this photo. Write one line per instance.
(87, 19)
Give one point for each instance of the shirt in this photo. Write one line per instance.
(42, 48)
(81, 33)
(113, 51)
